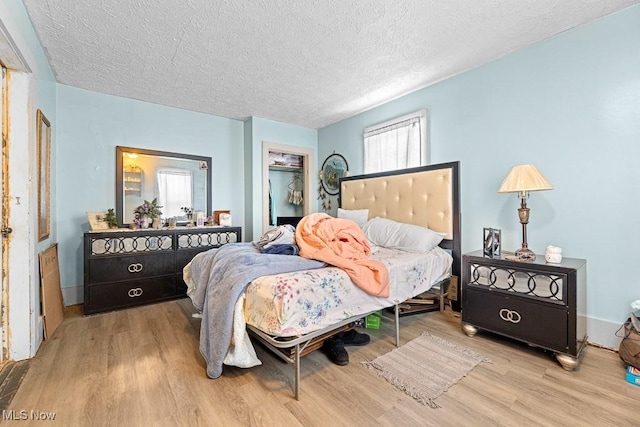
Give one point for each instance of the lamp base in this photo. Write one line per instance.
(525, 254)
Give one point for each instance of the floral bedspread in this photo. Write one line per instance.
(292, 304)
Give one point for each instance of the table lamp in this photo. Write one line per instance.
(522, 179)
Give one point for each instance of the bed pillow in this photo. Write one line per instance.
(397, 235)
(359, 216)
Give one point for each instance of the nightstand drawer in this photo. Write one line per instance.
(112, 269)
(526, 281)
(517, 317)
(130, 293)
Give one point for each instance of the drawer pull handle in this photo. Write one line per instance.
(135, 268)
(135, 292)
(510, 315)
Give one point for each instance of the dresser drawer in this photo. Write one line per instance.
(114, 268)
(525, 319)
(124, 294)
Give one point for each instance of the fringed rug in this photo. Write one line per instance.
(426, 367)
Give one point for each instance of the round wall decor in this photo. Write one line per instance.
(334, 167)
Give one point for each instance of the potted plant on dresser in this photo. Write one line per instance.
(147, 214)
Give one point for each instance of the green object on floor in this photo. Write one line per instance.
(372, 321)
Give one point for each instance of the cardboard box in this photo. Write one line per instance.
(372, 321)
(633, 375)
(452, 290)
(51, 294)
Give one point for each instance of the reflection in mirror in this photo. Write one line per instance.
(176, 180)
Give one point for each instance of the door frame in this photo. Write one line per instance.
(307, 160)
(4, 221)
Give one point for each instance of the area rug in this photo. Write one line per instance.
(426, 367)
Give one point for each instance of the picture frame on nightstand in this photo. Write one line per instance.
(492, 242)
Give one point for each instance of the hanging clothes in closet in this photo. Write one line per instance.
(295, 191)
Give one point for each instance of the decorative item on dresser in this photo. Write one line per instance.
(539, 303)
(492, 242)
(522, 179)
(97, 221)
(146, 213)
(126, 268)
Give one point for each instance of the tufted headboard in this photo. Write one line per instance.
(428, 196)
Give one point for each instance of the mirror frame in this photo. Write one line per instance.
(120, 150)
(43, 155)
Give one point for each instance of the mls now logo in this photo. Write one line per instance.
(24, 415)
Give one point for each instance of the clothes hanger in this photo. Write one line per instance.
(295, 196)
(292, 184)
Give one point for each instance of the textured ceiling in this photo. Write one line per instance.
(305, 62)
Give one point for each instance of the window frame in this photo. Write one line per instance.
(425, 157)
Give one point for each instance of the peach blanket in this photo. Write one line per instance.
(340, 242)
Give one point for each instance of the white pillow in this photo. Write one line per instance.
(397, 235)
(359, 216)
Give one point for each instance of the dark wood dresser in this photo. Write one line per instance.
(124, 268)
(535, 302)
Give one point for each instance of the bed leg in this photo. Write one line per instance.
(296, 385)
(397, 314)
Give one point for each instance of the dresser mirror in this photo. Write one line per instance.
(176, 180)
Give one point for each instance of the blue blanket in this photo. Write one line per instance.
(282, 250)
(221, 276)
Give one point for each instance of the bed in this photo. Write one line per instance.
(293, 310)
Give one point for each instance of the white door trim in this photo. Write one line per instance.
(308, 159)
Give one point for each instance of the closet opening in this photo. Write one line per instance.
(287, 188)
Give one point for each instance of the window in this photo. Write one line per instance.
(175, 189)
(397, 144)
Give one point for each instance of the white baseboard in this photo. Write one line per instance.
(603, 333)
(73, 295)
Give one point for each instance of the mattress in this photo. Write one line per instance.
(293, 304)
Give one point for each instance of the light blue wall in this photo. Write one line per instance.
(571, 106)
(91, 125)
(264, 130)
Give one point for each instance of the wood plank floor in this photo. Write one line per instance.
(142, 367)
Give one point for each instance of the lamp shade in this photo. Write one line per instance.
(524, 178)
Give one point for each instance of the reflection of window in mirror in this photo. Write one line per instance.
(175, 190)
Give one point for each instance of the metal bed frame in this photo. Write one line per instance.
(300, 343)
(275, 344)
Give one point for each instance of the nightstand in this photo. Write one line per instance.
(534, 302)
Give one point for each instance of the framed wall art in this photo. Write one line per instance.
(334, 167)
(43, 134)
